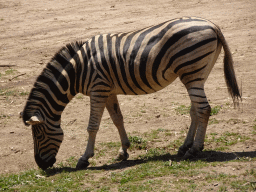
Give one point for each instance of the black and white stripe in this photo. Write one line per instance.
(134, 63)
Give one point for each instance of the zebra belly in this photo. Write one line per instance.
(142, 89)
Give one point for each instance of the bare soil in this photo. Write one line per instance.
(32, 31)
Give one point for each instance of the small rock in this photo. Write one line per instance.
(40, 176)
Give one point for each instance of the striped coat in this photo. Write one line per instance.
(134, 63)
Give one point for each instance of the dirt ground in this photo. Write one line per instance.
(32, 31)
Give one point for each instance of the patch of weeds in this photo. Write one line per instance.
(137, 142)
(250, 172)
(111, 144)
(105, 148)
(215, 110)
(234, 121)
(163, 130)
(92, 162)
(137, 114)
(139, 173)
(10, 71)
(8, 93)
(154, 153)
(192, 186)
(253, 185)
(175, 144)
(24, 93)
(149, 185)
(183, 110)
(226, 139)
(185, 184)
(220, 177)
(70, 162)
(222, 148)
(14, 180)
(222, 188)
(154, 134)
(3, 116)
(213, 121)
(104, 188)
(236, 137)
(100, 153)
(155, 173)
(242, 185)
(55, 179)
(254, 129)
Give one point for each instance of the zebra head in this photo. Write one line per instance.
(47, 137)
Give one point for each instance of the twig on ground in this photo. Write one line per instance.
(17, 76)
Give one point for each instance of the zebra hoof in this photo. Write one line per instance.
(190, 154)
(82, 164)
(182, 151)
(122, 156)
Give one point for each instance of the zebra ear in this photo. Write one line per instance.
(35, 120)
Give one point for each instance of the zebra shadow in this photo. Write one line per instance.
(207, 156)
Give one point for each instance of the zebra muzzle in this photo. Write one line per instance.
(43, 164)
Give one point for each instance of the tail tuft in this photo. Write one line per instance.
(229, 71)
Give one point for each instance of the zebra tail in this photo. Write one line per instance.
(229, 71)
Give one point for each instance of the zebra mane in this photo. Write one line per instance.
(43, 82)
(68, 51)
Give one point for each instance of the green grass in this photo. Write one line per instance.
(151, 170)
(254, 129)
(4, 116)
(175, 144)
(215, 110)
(213, 121)
(152, 174)
(225, 140)
(8, 72)
(183, 110)
(137, 143)
(8, 93)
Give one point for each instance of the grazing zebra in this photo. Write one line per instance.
(134, 63)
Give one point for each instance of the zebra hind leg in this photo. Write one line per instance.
(191, 133)
(98, 103)
(117, 118)
(200, 115)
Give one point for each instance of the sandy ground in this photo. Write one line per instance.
(32, 31)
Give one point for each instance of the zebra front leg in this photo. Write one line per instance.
(202, 111)
(117, 118)
(191, 133)
(98, 104)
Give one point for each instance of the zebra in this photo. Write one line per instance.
(133, 63)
